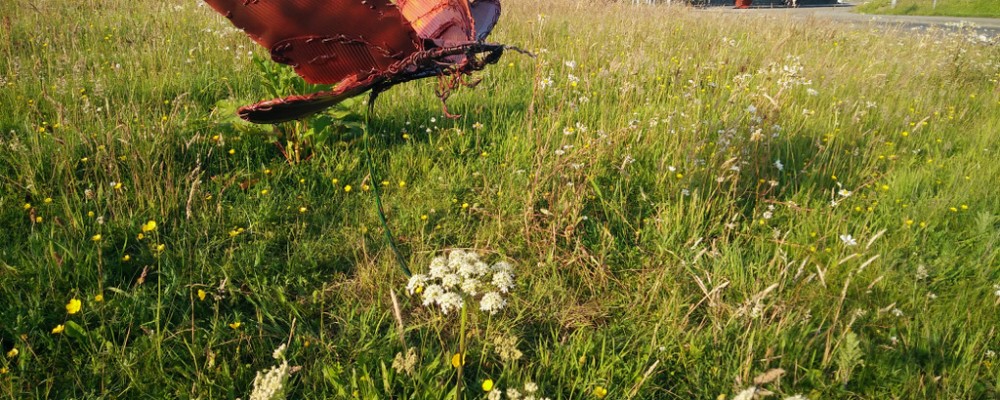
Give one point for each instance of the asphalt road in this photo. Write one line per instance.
(984, 26)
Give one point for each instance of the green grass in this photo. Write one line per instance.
(659, 250)
(951, 8)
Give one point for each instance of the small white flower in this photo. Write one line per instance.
(752, 109)
(450, 301)
(439, 267)
(779, 165)
(431, 294)
(416, 281)
(845, 193)
(768, 214)
(848, 240)
(451, 280)
(897, 312)
(571, 64)
(513, 394)
(746, 394)
(503, 280)
(279, 353)
(470, 286)
(812, 92)
(530, 387)
(492, 302)
(545, 83)
(494, 395)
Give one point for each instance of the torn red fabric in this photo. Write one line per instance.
(363, 45)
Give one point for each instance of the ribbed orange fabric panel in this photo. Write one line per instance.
(447, 21)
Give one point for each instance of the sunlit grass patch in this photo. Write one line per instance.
(689, 203)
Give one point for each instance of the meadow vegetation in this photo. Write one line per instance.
(953, 8)
(691, 205)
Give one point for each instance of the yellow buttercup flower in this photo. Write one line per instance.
(600, 392)
(235, 325)
(487, 385)
(149, 226)
(96, 238)
(13, 353)
(201, 295)
(58, 329)
(74, 306)
(457, 360)
(99, 297)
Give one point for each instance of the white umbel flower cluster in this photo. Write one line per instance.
(462, 276)
(270, 385)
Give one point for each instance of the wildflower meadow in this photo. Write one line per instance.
(661, 203)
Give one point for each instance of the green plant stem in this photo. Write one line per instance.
(461, 352)
(375, 187)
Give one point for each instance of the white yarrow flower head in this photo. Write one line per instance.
(279, 353)
(461, 277)
(492, 302)
(746, 394)
(848, 240)
(845, 193)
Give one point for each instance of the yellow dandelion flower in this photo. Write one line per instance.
(89, 213)
(964, 207)
(487, 385)
(48, 200)
(74, 306)
(465, 205)
(303, 209)
(600, 392)
(140, 236)
(423, 217)
(96, 238)
(457, 360)
(679, 175)
(235, 325)
(118, 186)
(126, 258)
(365, 187)
(263, 192)
(347, 188)
(953, 209)
(402, 184)
(38, 220)
(201, 295)
(58, 329)
(160, 247)
(13, 353)
(232, 151)
(27, 206)
(99, 297)
(3, 370)
(149, 226)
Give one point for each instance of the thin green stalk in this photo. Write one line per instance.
(461, 352)
(378, 195)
